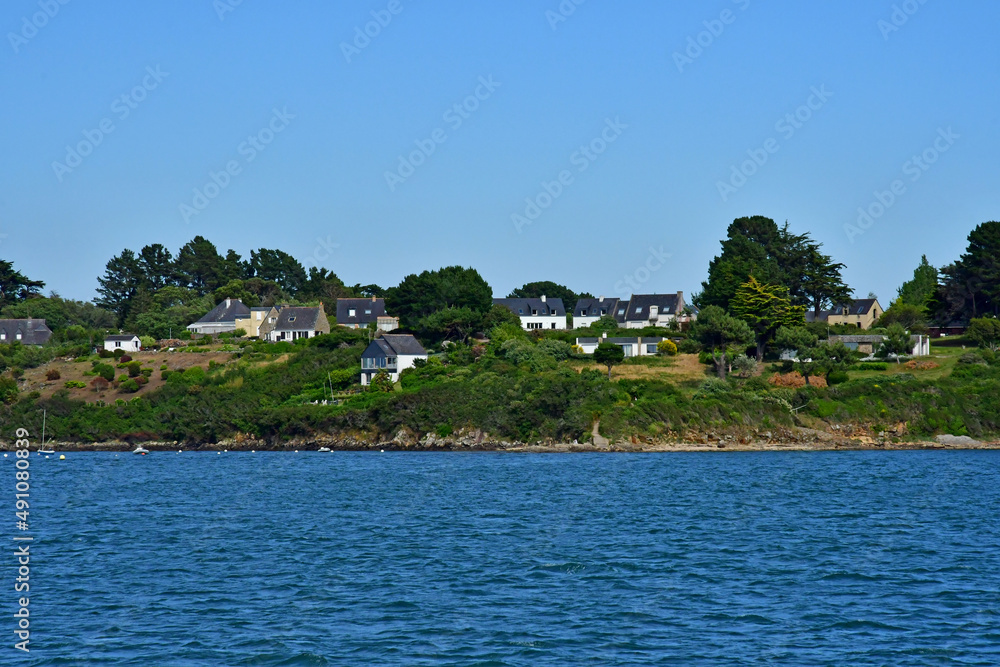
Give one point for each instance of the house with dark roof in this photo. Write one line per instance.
(220, 319)
(392, 353)
(640, 311)
(359, 313)
(26, 332)
(634, 346)
(126, 342)
(258, 322)
(295, 322)
(587, 311)
(540, 313)
(862, 313)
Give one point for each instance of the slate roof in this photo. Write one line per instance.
(226, 311)
(640, 304)
(593, 307)
(361, 311)
(394, 345)
(856, 307)
(122, 337)
(33, 331)
(525, 307)
(298, 318)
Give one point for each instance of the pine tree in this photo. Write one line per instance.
(766, 308)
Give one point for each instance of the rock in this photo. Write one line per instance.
(956, 440)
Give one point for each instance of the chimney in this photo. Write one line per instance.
(228, 301)
(543, 298)
(680, 302)
(601, 298)
(604, 335)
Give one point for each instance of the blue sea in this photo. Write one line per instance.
(840, 558)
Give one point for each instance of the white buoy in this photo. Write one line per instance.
(5, 456)
(218, 453)
(62, 457)
(46, 456)
(383, 451)
(252, 451)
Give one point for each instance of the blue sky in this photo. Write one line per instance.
(203, 76)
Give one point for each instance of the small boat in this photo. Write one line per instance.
(41, 447)
(324, 449)
(46, 451)
(140, 450)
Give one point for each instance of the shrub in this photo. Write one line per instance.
(124, 359)
(837, 377)
(123, 378)
(381, 383)
(106, 371)
(972, 359)
(744, 366)
(872, 366)
(99, 384)
(667, 348)
(713, 387)
(146, 372)
(52, 374)
(8, 390)
(689, 346)
(148, 342)
(17, 372)
(134, 368)
(141, 380)
(165, 374)
(129, 386)
(105, 354)
(75, 384)
(163, 367)
(118, 354)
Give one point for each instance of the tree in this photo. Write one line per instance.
(919, 291)
(15, 286)
(278, 267)
(805, 345)
(325, 286)
(766, 308)
(498, 315)
(451, 324)
(757, 247)
(667, 348)
(236, 289)
(721, 335)
(381, 383)
(418, 296)
(200, 267)
(156, 266)
(971, 286)
(122, 278)
(609, 354)
(897, 343)
(911, 317)
(985, 332)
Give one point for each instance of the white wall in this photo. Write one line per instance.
(546, 322)
(127, 345)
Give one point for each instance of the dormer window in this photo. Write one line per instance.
(19, 335)
(291, 318)
(368, 311)
(351, 312)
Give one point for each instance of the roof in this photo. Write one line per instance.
(366, 311)
(861, 338)
(527, 307)
(262, 309)
(640, 304)
(394, 345)
(298, 318)
(856, 307)
(593, 307)
(121, 337)
(33, 331)
(226, 311)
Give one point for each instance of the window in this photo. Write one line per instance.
(368, 311)
(534, 311)
(651, 348)
(351, 312)
(638, 310)
(520, 311)
(19, 335)
(604, 311)
(553, 325)
(392, 361)
(621, 311)
(3, 335)
(291, 318)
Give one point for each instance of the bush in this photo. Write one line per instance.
(165, 374)
(744, 366)
(667, 348)
(146, 372)
(129, 386)
(134, 368)
(8, 390)
(75, 384)
(163, 367)
(148, 342)
(99, 384)
(381, 383)
(124, 359)
(118, 354)
(123, 378)
(141, 380)
(104, 354)
(17, 373)
(689, 346)
(837, 377)
(713, 387)
(106, 371)
(52, 374)
(972, 359)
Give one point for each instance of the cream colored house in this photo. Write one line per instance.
(862, 313)
(258, 322)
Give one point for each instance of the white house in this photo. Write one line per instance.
(541, 313)
(297, 322)
(392, 353)
(126, 342)
(636, 346)
(588, 311)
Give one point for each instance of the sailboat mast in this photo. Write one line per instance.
(43, 428)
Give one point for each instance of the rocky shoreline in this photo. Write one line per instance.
(793, 439)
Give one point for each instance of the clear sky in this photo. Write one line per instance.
(664, 121)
